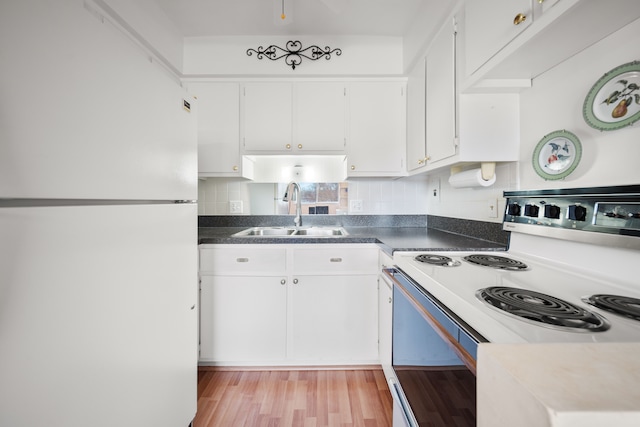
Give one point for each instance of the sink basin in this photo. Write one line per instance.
(265, 231)
(321, 231)
(292, 232)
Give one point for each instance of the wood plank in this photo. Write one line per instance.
(299, 398)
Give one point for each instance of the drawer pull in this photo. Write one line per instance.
(335, 259)
(242, 259)
(519, 19)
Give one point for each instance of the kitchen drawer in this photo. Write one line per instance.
(335, 259)
(241, 260)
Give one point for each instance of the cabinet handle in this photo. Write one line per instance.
(242, 259)
(335, 259)
(300, 146)
(421, 161)
(390, 300)
(283, 281)
(353, 167)
(295, 281)
(519, 19)
(235, 168)
(288, 146)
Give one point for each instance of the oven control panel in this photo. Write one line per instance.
(603, 210)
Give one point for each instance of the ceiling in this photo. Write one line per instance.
(308, 17)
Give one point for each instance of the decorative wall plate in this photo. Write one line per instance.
(557, 155)
(614, 100)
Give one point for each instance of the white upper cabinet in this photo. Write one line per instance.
(490, 25)
(219, 129)
(503, 54)
(376, 145)
(460, 128)
(267, 116)
(416, 142)
(440, 69)
(293, 118)
(319, 116)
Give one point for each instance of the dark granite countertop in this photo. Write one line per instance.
(410, 237)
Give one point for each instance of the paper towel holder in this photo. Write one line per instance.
(487, 169)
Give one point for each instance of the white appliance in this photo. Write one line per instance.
(564, 258)
(567, 277)
(98, 263)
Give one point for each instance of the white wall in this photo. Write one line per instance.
(471, 203)
(555, 102)
(227, 56)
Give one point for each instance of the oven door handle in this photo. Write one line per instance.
(399, 397)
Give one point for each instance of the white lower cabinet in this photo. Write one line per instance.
(334, 319)
(243, 319)
(288, 304)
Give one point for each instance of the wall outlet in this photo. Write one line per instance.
(235, 206)
(355, 206)
(435, 190)
(492, 208)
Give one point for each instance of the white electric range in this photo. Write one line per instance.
(573, 258)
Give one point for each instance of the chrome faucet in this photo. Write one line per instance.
(288, 197)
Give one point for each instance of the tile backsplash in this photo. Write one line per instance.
(418, 195)
(366, 196)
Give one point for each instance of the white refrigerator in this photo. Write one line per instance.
(98, 226)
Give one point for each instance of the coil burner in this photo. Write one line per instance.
(542, 309)
(621, 305)
(496, 261)
(440, 260)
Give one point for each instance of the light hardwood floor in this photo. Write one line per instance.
(308, 398)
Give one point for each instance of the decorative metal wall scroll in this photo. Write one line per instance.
(293, 53)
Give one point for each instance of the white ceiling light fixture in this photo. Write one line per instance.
(283, 12)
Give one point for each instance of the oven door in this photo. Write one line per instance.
(433, 359)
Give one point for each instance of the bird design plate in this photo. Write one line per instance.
(557, 155)
(614, 100)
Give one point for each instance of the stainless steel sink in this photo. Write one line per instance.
(265, 231)
(292, 232)
(321, 231)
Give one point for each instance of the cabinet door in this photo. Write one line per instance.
(416, 142)
(441, 96)
(489, 26)
(385, 316)
(267, 116)
(334, 319)
(218, 128)
(319, 116)
(243, 319)
(377, 129)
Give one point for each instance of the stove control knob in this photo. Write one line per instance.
(551, 211)
(513, 209)
(531, 210)
(577, 213)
